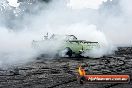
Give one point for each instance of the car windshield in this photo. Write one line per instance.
(71, 37)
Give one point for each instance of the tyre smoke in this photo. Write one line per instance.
(105, 21)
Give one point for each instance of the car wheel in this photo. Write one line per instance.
(69, 52)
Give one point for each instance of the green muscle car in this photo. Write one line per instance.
(68, 45)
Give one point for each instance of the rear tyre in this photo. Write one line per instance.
(69, 52)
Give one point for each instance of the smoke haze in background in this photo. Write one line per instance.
(106, 21)
(80, 4)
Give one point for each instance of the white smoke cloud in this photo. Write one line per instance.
(126, 7)
(85, 21)
(15, 48)
(60, 19)
(13, 3)
(81, 4)
(116, 23)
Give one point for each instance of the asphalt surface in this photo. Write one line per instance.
(61, 72)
